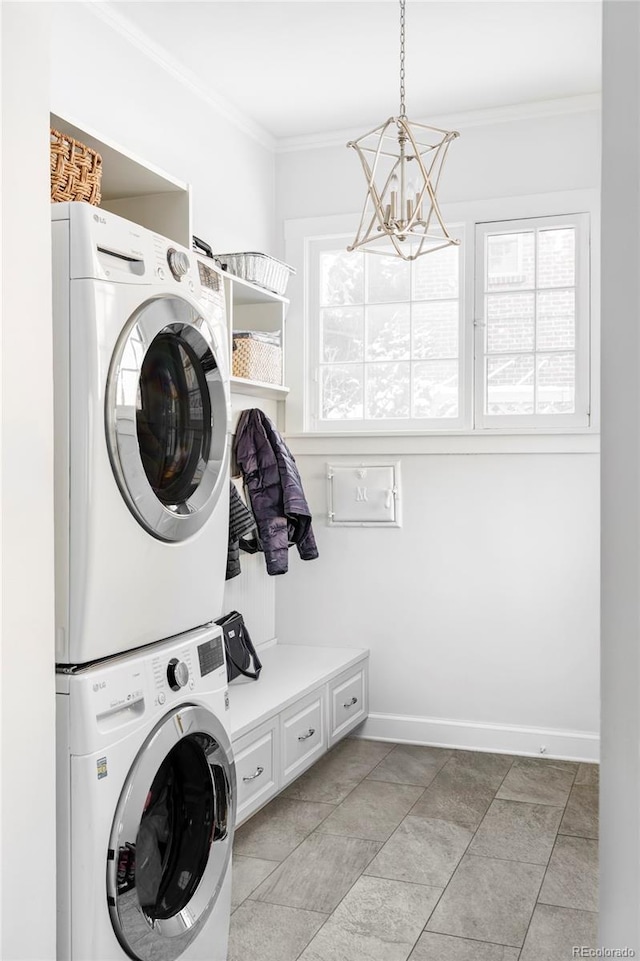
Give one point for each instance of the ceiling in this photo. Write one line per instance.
(302, 68)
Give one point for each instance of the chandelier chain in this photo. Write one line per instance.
(403, 109)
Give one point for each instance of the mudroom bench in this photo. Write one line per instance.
(307, 699)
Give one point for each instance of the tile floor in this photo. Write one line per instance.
(385, 852)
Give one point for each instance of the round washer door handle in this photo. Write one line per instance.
(310, 733)
(354, 700)
(252, 777)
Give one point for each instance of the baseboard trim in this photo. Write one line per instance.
(470, 736)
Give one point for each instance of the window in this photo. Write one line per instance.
(387, 353)
(532, 323)
(493, 333)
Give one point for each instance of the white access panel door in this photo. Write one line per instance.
(364, 495)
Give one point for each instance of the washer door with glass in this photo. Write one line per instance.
(172, 834)
(166, 418)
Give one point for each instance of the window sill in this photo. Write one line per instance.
(577, 441)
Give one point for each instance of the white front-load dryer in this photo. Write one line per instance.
(146, 805)
(142, 435)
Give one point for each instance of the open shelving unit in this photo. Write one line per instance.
(135, 189)
(250, 307)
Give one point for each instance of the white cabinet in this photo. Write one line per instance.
(257, 757)
(304, 735)
(306, 699)
(348, 702)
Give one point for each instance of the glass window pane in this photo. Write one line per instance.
(435, 329)
(388, 331)
(341, 277)
(342, 392)
(510, 322)
(556, 327)
(388, 280)
(435, 388)
(388, 390)
(435, 276)
(510, 385)
(342, 332)
(556, 383)
(557, 257)
(511, 261)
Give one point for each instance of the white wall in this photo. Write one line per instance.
(499, 160)
(101, 78)
(27, 748)
(483, 609)
(620, 781)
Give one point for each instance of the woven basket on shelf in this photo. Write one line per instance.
(76, 170)
(256, 360)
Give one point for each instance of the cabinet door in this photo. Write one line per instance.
(304, 734)
(257, 768)
(348, 701)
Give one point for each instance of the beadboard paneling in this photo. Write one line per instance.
(253, 593)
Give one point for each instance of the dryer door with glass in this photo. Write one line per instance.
(172, 834)
(167, 418)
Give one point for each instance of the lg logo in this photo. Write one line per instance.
(99, 220)
(99, 685)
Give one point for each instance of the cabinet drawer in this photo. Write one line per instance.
(347, 702)
(257, 764)
(304, 737)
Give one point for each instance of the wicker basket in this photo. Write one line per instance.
(76, 170)
(255, 358)
(260, 269)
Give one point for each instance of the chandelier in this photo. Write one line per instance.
(402, 162)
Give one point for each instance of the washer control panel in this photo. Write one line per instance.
(210, 655)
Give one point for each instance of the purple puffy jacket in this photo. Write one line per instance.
(275, 490)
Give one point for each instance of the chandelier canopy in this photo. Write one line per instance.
(402, 162)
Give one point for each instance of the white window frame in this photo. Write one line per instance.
(316, 246)
(300, 233)
(580, 417)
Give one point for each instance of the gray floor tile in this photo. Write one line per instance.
(538, 781)
(517, 831)
(247, 874)
(373, 810)
(336, 774)
(459, 793)
(489, 900)
(411, 764)
(588, 774)
(581, 814)
(572, 876)
(490, 765)
(275, 831)
(378, 920)
(440, 947)
(319, 873)
(270, 932)
(422, 850)
(555, 932)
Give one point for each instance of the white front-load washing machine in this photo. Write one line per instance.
(146, 804)
(142, 435)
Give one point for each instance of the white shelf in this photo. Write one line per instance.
(135, 189)
(257, 388)
(246, 292)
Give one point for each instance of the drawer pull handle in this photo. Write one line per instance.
(310, 733)
(354, 700)
(252, 777)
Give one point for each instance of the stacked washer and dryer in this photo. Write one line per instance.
(146, 778)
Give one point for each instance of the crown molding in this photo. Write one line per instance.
(585, 103)
(106, 11)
